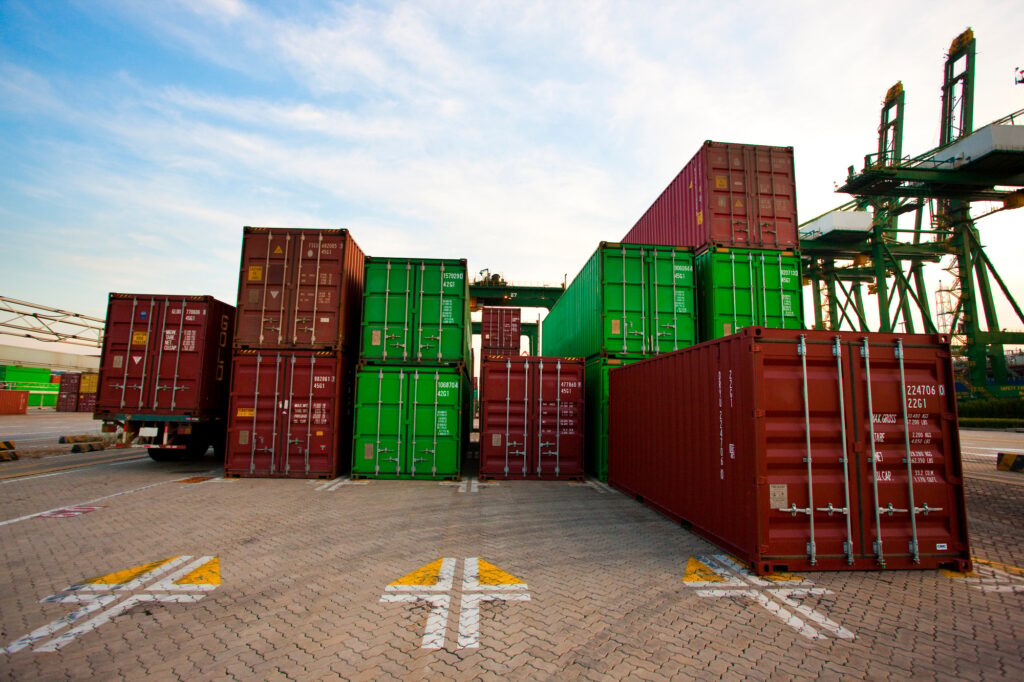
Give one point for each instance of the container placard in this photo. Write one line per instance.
(778, 496)
(140, 338)
(255, 273)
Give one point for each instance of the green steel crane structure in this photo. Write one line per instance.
(861, 244)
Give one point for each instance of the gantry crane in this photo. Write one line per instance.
(862, 244)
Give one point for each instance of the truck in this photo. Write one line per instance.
(165, 373)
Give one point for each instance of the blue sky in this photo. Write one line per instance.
(139, 137)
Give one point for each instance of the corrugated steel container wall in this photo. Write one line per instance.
(299, 289)
(68, 402)
(89, 382)
(13, 402)
(500, 331)
(629, 300)
(783, 442)
(410, 421)
(416, 310)
(67, 397)
(71, 382)
(727, 195)
(596, 390)
(86, 402)
(166, 355)
(532, 418)
(745, 287)
(288, 416)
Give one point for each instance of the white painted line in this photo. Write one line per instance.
(327, 484)
(835, 628)
(474, 485)
(92, 603)
(437, 621)
(98, 499)
(469, 616)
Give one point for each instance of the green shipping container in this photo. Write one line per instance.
(17, 374)
(595, 385)
(629, 300)
(415, 310)
(410, 421)
(744, 287)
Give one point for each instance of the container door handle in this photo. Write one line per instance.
(866, 354)
(837, 351)
(811, 549)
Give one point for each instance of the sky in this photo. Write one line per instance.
(139, 137)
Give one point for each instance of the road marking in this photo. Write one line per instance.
(992, 576)
(195, 479)
(597, 485)
(98, 499)
(470, 485)
(69, 512)
(433, 583)
(181, 579)
(70, 468)
(733, 581)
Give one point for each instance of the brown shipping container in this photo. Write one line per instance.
(165, 355)
(86, 402)
(738, 195)
(799, 450)
(299, 289)
(13, 402)
(68, 402)
(500, 331)
(531, 418)
(288, 414)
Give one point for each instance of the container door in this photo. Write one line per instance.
(557, 418)
(387, 332)
(255, 418)
(504, 418)
(731, 284)
(308, 415)
(673, 310)
(912, 486)
(381, 401)
(807, 493)
(318, 268)
(779, 290)
(178, 360)
(262, 317)
(440, 318)
(624, 282)
(434, 412)
(134, 332)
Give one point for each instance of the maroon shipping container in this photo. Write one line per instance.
(739, 195)
(86, 402)
(299, 289)
(799, 450)
(165, 355)
(288, 415)
(68, 402)
(13, 402)
(531, 418)
(500, 331)
(67, 397)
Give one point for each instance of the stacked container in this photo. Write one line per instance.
(67, 397)
(800, 450)
(35, 380)
(500, 331)
(531, 418)
(88, 388)
(412, 389)
(300, 295)
(630, 301)
(735, 204)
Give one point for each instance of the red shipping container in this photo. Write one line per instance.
(799, 450)
(86, 402)
(739, 195)
(288, 415)
(531, 418)
(13, 402)
(500, 331)
(165, 355)
(299, 289)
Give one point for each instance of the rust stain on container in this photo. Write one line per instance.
(799, 450)
(728, 194)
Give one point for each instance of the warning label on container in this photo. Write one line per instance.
(140, 338)
(246, 412)
(778, 496)
(255, 273)
(496, 439)
(375, 337)
(616, 327)
(721, 182)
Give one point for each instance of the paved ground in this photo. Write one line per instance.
(288, 579)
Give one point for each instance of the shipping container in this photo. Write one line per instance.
(89, 382)
(71, 382)
(13, 402)
(68, 402)
(86, 402)
(165, 372)
(532, 418)
(67, 397)
(629, 300)
(19, 374)
(500, 331)
(745, 287)
(410, 421)
(800, 451)
(299, 289)
(595, 450)
(727, 195)
(415, 310)
(288, 414)
(37, 396)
